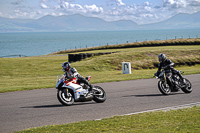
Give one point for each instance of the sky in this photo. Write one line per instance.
(139, 11)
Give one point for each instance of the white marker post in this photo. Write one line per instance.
(126, 67)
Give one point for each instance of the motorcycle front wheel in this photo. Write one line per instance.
(64, 97)
(99, 94)
(164, 89)
(187, 87)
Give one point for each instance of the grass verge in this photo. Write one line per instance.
(181, 120)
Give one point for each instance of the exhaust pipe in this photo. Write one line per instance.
(83, 99)
(89, 98)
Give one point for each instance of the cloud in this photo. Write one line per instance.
(43, 6)
(119, 3)
(67, 6)
(194, 3)
(174, 4)
(77, 8)
(93, 8)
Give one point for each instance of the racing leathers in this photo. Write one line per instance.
(72, 73)
(167, 65)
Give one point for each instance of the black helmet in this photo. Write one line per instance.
(161, 57)
(66, 66)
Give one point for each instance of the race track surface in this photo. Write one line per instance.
(34, 108)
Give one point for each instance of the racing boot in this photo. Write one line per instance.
(180, 76)
(90, 90)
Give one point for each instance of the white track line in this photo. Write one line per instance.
(164, 109)
(168, 108)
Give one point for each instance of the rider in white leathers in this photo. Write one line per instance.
(72, 73)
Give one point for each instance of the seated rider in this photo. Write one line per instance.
(166, 64)
(72, 73)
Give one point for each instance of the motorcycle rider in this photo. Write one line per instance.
(167, 65)
(72, 73)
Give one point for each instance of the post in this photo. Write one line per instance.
(126, 67)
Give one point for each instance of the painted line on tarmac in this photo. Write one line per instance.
(164, 109)
(167, 108)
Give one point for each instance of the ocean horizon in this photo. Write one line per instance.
(43, 43)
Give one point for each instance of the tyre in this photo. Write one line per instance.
(99, 94)
(164, 89)
(187, 87)
(64, 97)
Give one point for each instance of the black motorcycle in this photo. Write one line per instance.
(169, 82)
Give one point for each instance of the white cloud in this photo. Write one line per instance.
(147, 3)
(66, 7)
(43, 6)
(120, 3)
(76, 6)
(63, 5)
(175, 3)
(93, 8)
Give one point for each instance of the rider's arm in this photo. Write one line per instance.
(159, 68)
(169, 63)
(74, 73)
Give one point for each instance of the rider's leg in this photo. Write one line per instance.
(81, 78)
(179, 74)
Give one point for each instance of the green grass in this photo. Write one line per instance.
(181, 121)
(28, 73)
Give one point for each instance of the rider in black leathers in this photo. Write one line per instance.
(167, 65)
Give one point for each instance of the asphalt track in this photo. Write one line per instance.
(27, 109)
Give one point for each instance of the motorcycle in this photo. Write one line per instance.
(70, 91)
(172, 83)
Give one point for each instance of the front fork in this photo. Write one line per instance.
(66, 93)
(165, 80)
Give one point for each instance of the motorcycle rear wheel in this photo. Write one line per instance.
(64, 97)
(164, 90)
(188, 87)
(99, 94)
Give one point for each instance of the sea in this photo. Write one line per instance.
(43, 43)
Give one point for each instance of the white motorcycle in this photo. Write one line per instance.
(70, 91)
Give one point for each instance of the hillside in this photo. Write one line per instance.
(179, 21)
(79, 22)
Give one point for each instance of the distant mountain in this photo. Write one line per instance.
(79, 22)
(179, 21)
(14, 25)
